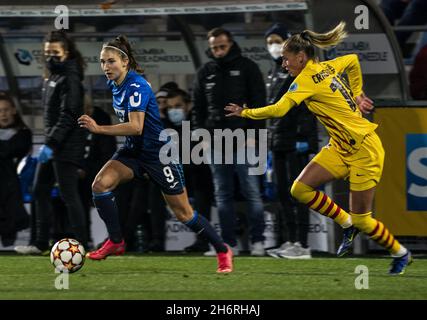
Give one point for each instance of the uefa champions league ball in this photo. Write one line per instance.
(67, 255)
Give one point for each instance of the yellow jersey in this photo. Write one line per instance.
(328, 95)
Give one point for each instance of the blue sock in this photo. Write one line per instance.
(105, 203)
(202, 227)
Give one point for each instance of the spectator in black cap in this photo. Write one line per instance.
(275, 36)
(291, 139)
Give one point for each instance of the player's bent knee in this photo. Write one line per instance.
(301, 192)
(294, 190)
(100, 185)
(182, 213)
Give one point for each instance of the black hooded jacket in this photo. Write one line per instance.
(62, 99)
(299, 124)
(15, 143)
(231, 79)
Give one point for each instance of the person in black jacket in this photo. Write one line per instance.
(15, 143)
(62, 154)
(292, 139)
(230, 77)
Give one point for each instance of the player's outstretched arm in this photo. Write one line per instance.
(234, 109)
(276, 110)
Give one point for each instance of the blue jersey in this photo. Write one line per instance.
(132, 95)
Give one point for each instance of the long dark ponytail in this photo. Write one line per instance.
(125, 50)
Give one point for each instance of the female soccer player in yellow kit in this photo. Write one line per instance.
(354, 151)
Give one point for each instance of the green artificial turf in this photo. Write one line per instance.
(175, 277)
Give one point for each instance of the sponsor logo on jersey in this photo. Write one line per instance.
(135, 103)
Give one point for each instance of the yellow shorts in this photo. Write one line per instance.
(363, 169)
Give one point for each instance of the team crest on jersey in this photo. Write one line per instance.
(293, 87)
(135, 103)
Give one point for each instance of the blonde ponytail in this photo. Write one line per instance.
(327, 39)
(307, 40)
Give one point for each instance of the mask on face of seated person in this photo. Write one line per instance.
(176, 116)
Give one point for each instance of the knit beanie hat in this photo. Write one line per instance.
(279, 29)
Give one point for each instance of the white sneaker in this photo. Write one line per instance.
(275, 252)
(27, 250)
(296, 252)
(258, 249)
(213, 253)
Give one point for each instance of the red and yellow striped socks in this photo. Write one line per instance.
(378, 232)
(320, 202)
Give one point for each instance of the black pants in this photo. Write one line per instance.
(12, 211)
(293, 219)
(65, 174)
(199, 178)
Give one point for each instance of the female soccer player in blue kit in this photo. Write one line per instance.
(135, 105)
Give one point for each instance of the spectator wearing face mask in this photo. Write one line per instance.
(62, 154)
(198, 177)
(178, 106)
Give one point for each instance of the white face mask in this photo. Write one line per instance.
(176, 116)
(275, 50)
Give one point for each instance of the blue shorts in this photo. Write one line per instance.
(169, 177)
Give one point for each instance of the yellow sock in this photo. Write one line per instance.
(320, 202)
(376, 231)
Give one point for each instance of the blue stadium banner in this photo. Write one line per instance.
(416, 172)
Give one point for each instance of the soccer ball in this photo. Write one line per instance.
(67, 255)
